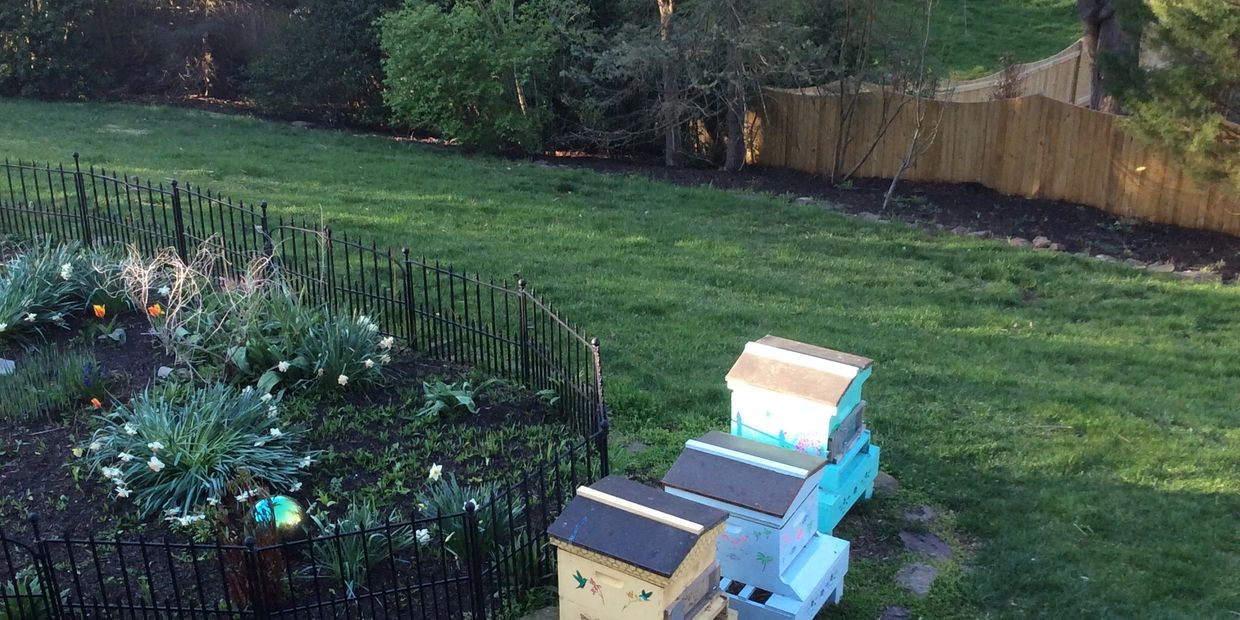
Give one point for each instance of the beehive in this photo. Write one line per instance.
(625, 550)
(808, 398)
(775, 563)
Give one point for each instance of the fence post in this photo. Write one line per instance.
(604, 425)
(410, 316)
(48, 589)
(268, 247)
(524, 334)
(331, 270)
(178, 220)
(257, 601)
(80, 187)
(474, 558)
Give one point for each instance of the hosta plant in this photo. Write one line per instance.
(165, 452)
(443, 399)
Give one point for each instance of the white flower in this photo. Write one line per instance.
(66, 271)
(283, 366)
(111, 473)
(436, 472)
(155, 464)
(275, 432)
(95, 446)
(386, 343)
(247, 389)
(272, 412)
(3, 326)
(318, 373)
(266, 398)
(31, 317)
(260, 443)
(155, 446)
(172, 512)
(424, 536)
(245, 495)
(369, 363)
(305, 462)
(385, 358)
(57, 317)
(213, 501)
(125, 457)
(343, 380)
(164, 291)
(295, 487)
(130, 429)
(122, 492)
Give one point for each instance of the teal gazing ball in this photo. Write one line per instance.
(282, 509)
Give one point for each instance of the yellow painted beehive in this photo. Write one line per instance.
(625, 550)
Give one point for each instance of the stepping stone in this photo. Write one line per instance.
(921, 514)
(1041, 242)
(636, 447)
(895, 613)
(7, 367)
(926, 544)
(917, 578)
(546, 613)
(885, 483)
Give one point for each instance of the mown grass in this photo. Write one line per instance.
(1079, 422)
(969, 36)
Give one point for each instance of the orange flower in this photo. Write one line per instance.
(100, 310)
(94, 402)
(155, 310)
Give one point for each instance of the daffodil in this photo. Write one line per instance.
(213, 501)
(265, 398)
(66, 271)
(343, 380)
(436, 472)
(243, 497)
(273, 412)
(111, 473)
(94, 446)
(385, 358)
(125, 457)
(155, 446)
(283, 366)
(369, 363)
(424, 536)
(275, 432)
(122, 492)
(305, 462)
(295, 487)
(155, 464)
(30, 317)
(387, 342)
(130, 429)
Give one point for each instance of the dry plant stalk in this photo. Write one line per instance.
(181, 291)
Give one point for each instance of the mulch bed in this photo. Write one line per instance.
(1079, 228)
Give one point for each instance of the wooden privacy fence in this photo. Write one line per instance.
(1032, 146)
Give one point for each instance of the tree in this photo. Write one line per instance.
(1189, 101)
(1111, 46)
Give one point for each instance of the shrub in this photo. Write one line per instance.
(49, 381)
(495, 517)
(480, 72)
(42, 286)
(177, 454)
(359, 540)
(42, 50)
(439, 398)
(322, 61)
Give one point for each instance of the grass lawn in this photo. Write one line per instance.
(1077, 423)
(971, 35)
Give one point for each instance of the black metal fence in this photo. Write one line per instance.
(480, 562)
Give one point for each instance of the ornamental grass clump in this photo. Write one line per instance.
(43, 286)
(168, 452)
(362, 538)
(50, 381)
(497, 514)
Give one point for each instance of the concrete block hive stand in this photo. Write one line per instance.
(807, 398)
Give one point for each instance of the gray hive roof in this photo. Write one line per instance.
(632, 538)
(740, 483)
(794, 379)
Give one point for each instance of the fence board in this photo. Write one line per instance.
(1031, 146)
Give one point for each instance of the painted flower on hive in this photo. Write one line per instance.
(436, 472)
(155, 464)
(155, 310)
(643, 597)
(100, 310)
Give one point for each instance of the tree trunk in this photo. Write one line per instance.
(671, 108)
(735, 156)
(1105, 41)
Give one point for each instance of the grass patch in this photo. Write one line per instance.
(1079, 421)
(971, 35)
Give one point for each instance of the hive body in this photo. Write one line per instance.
(774, 562)
(807, 398)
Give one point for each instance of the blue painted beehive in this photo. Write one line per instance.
(774, 562)
(808, 398)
